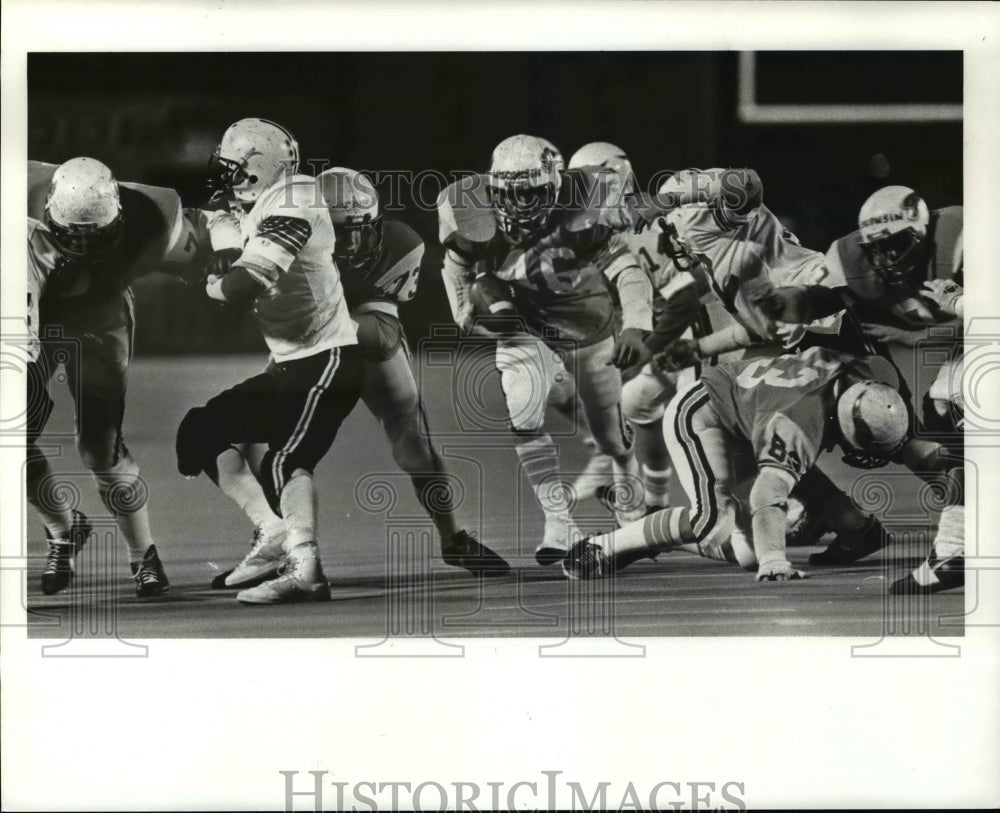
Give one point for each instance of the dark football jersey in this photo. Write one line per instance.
(901, 304)
(559, 282)
(393, 277)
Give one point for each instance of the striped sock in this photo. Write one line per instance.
(540, 462)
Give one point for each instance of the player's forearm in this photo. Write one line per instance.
(635, 292)
(456, 273)
(768, 505)
(680, 312)
(729, 338)
(238, 287)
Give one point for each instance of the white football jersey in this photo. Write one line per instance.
(288, 242)
(748, 258)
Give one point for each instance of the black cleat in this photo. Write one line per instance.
(933, 576)
(60, 565)
(464, 550)
(847, 548)
(150, 577)
(585, 560)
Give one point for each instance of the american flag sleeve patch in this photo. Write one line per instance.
(278, 241)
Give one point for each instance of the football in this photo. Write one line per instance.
(491, 296)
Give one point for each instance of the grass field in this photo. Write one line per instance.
(379, 551)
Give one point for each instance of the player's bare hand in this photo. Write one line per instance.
(629, 348)
(678, 355)
(779, 571)
(945, 293)
(892, 335)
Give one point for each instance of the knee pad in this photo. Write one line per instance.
(643, 399)
(199, 442)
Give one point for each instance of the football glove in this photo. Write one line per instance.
(678, 355)
(219, 265)
(945, 293)
(629, 348)
(780, 570)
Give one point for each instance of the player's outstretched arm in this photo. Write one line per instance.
(457, 273)
(679, 313)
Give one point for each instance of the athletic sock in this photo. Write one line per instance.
(237, 482)
(124, 493)
(540, 462)
(298, 507)
(656, 485)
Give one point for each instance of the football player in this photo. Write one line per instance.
(765, 418)
(379, 265)
(718, 216)
(682, 305)
(900, 246)
(315, 374)
(88, 238)
(547, 235)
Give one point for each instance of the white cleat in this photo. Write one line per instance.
(560, 534)
(302, 580)
(264, 560)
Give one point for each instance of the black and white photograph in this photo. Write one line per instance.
(521, 400)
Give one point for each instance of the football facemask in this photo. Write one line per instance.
(524, 180)
(893, 226)
(251, 156)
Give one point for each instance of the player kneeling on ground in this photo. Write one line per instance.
(766, 418)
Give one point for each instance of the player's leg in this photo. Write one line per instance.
(644, 400)
(313, 397)
(598, 473)
(699, 448)
(600, 387)
(99, 385)
(391, 395)
(943, 465)
(527, 368)
(66, 529)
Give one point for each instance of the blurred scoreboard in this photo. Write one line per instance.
(828, 87)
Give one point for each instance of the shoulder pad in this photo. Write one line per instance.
(39, 177)
(298, 192)
(465, 217)
(399, 242)
(167, 201)
(592, 197)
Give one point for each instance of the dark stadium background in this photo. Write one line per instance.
(156, 118)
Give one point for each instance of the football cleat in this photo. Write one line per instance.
(264, 560)
(150, 577)
(585, 560)
(847, 548)
(560, 531)
(60, 565)
(464, 550)
(933, 576)
(301, 581)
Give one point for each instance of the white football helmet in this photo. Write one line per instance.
(252, 155)
(354, 211)
(893, 224)
(524, 180)
(874, 423)
(83, 209)
(603, 154)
